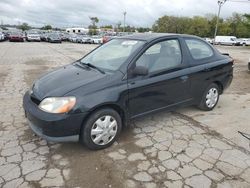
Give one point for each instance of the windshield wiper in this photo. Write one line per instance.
(93, 66)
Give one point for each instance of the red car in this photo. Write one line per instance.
(16, 37)
(107, 38)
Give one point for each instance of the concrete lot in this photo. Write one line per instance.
(187, 148)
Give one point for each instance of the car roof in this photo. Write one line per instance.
(152, 36)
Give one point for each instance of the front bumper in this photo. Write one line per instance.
(52, 127)
(55, 41)
(33, 39)
(16, 39)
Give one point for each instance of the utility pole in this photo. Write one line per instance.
(124, 20)
(220, 3)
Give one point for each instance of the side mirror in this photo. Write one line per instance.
(140, 71)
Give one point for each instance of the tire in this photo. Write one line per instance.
(88, 134)
(205, 104)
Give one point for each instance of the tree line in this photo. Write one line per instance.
(236, 25)
(204, 26)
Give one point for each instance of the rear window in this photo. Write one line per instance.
(199, 49)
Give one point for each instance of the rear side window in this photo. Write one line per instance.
(199, 49)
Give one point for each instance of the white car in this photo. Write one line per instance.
(209, 40)
(1, 36)
(226, 40)
(245, 42)
(33, 37)
(84, 39)
(97, 39)
(73, 38)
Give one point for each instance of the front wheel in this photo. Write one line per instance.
(210, 98)
(101, 129)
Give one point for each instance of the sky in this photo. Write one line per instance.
(140, 13)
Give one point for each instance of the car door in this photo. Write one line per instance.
(166, 83)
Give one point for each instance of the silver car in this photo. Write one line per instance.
(2, 37)
(33, 37)
(97, 39)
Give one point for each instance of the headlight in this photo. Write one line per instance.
(57, 104)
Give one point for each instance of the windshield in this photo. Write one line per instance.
(54, 35)
(110, 56)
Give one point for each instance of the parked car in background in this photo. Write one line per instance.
(92, 99)
(33, 37)
(107, 38)
(97, 39)
(6, 35)
(2, 37)
(16, 37)
(245, 42)
(226, 40)
(64, 36)
(73, 38)
(209, 40)
(78, 38)
(44, 36)
(85, 39)
(54, 38)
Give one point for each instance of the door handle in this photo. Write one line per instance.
(184, 78)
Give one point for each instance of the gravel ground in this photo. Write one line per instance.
(188, 148)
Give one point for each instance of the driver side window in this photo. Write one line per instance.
(161, 56)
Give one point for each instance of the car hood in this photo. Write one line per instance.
(63, 80)
(33, 35)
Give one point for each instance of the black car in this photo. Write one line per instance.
(92, 99)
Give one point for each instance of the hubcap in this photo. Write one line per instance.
(104, 130)
(212, 97)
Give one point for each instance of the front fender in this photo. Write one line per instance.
(114, 95)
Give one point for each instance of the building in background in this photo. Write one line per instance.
(77, 30)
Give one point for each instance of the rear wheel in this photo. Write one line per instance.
(101, 129)
(210, 98)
